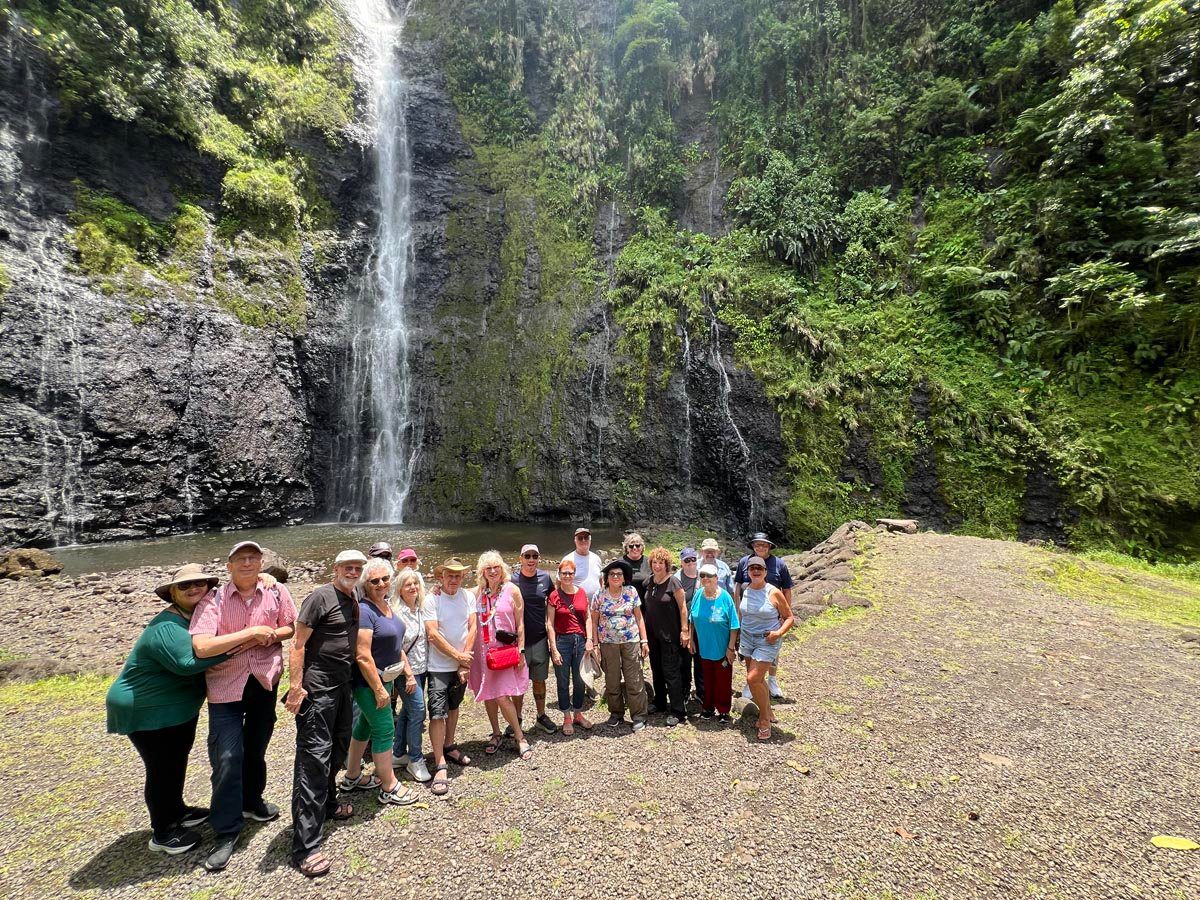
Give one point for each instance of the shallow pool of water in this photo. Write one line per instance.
(323, 542)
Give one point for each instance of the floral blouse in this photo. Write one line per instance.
(617, 622)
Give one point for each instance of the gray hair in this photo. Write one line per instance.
(374, 565)
(409, 574)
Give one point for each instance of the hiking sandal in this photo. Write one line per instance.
(455, 755)
(363, 782)
(344, 811)
(315, 865)
(441, 781)
(494, 743)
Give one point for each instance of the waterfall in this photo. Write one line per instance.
(746, 461)
(686, 456)
(375, 450)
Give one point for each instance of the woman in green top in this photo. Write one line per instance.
(156, 700)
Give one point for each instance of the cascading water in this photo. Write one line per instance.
(376, 448)
(745, 463)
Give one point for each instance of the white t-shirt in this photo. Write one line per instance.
(451, 612)
(587, 571)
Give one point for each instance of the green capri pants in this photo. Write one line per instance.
(374, 724)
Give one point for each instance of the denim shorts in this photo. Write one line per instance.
(443, 693)
(754, 646)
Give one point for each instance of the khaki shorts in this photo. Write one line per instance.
(537, 657)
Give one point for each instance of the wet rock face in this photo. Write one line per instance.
(121, 418)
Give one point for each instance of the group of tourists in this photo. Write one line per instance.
(377, 650)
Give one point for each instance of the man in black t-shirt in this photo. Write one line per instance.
(320, 668)
(535, 587)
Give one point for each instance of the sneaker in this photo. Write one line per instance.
(773, 687)
(195, 815)
(724, 718)
(264, 812)
(180, 840)
(397, 796)
(547, 725)
(638, 725)
(707, 714)
(219, 858)
(672, 721)
(399, 762)
(418, 770)
(614, 720)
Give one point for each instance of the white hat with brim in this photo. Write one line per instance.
(708, 569)
(350, 556)
(590, 671)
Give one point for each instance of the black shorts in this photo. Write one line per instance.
(443, 693)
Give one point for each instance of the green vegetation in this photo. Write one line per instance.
(242, 83)
(1150, 593)
(5, 280)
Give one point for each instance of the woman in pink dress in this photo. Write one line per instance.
(501, 614)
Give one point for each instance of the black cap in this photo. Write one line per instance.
(380, 550)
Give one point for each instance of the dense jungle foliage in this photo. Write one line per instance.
(963, 235)
(965, 232)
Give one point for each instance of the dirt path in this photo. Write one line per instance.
(1027, 745)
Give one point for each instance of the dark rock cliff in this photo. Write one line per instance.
(123, 418)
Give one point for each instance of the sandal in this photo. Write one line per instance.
(344, 811)
(455, 755)
(567, 728)
(525, 751)
(582, 722)
(764, 732)
(441, 781)
(494, 743)
(363, 782)
(315, 865)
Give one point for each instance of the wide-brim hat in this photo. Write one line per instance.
(590, 671)
(759, 536)
(182, 575)
(453, 564)
(625, 568)
(350, 556)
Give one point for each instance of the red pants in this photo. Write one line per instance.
(718, 684)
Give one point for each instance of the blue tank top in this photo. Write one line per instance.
(757, 612)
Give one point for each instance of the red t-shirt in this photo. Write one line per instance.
(569, 616)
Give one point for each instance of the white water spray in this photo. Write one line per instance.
(379, 450)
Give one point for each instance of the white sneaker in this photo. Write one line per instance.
(399, 762)
(418, 770)
(773, 687)
(746, 693)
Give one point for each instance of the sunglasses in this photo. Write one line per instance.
(708, 576)
(531, 556)
(758, 569)
(192, 585)
(383, 579)
(635, 546)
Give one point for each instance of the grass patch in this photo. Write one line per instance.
(508, 840)
(74, 690)
(1139, 591)
(1188, 571)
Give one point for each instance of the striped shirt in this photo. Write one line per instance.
(226, 611)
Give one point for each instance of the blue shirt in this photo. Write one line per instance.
(713, 621)
(777, 572)
(387, 638)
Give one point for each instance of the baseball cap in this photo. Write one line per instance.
(710, 544)
(582, 530)
(708, 569)
(529, 547)
(407, 553)
(241, 545)
(381, 548)
(687, 553)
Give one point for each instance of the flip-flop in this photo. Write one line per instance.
(455, 755)
(441, 783)
(764, 734)
(315, 865)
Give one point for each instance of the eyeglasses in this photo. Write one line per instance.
(383, 579)
(531, 556)
(567, 573)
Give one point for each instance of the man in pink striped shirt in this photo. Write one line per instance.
(241, 693)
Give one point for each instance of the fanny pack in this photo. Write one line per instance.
(392, 672)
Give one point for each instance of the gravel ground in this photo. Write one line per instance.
(976, 734)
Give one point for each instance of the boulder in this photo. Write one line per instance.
(845, 601)
(28, 563)
(903, 526)
(275, 565)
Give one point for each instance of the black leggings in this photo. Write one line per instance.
(165, 753)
